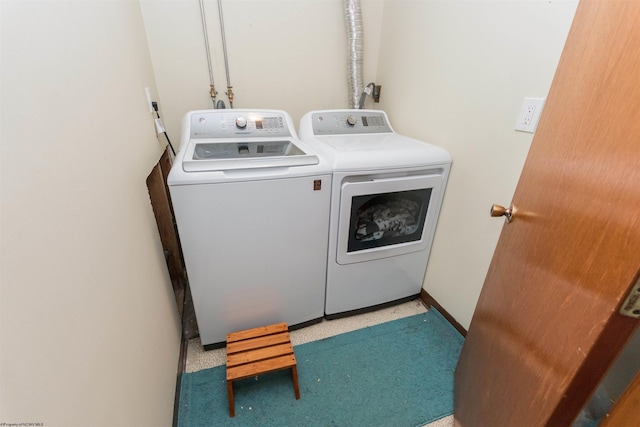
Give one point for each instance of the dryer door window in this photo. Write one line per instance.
(387, 217)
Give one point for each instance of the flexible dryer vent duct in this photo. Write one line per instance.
(355, 40)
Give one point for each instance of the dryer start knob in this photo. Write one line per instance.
(351, 120)
(241, 122)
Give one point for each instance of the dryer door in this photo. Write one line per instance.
(386, 217)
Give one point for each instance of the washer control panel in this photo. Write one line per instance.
(238, 124)
(349, 122)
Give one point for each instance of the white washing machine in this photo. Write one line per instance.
(251, 203)
(386, 196)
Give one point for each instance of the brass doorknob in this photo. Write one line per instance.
(508, 213)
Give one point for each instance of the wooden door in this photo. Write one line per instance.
(546, 326)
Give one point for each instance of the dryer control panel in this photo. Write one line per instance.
(350, 122)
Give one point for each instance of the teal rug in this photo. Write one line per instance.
(399, 373)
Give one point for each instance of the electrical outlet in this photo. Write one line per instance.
(530, 114)
(148, 92)
(159, 126)
(376, 93)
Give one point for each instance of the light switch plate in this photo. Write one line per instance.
(530, 114)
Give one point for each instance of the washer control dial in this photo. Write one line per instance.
(241, 122)
(351, 120)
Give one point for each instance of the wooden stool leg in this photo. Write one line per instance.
(294, 378)
(232, 409)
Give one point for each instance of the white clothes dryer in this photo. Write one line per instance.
(251, 203)
(386, 196)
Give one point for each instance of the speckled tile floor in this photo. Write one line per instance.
(198, 358)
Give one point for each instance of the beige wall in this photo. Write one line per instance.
(455, 73)
(89, 329)
(283, 54)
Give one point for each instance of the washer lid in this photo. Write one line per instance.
(222, 140)
(219, 155)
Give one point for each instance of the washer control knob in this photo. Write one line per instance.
(351, 120)
(241, 122)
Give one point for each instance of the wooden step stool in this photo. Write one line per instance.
(258, 351)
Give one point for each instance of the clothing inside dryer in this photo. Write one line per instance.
(387, 219)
